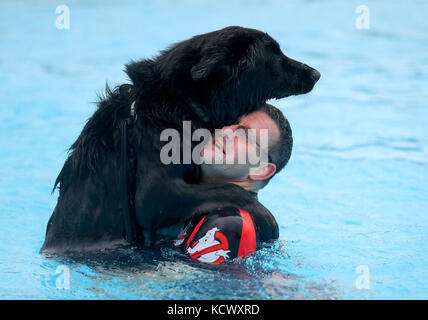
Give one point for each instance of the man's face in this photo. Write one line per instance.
(238, 140)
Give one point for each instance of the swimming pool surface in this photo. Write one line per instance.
(352, 201)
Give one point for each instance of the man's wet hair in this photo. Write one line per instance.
(280, 152)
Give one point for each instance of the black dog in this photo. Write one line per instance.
(210, 79)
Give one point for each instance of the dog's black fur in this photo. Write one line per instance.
(211, 79)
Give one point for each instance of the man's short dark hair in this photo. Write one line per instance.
(280, 152)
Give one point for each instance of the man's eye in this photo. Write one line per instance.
(244, 129)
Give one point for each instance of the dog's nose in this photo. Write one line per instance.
(315, 75)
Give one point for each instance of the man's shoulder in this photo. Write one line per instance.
(264, 222)
(225, 233)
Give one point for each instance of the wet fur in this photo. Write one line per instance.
(210, 79)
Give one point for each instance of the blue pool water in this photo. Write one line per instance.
(353, 197)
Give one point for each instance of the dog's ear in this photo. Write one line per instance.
(229, 54)
(212, 59)
(138, 71)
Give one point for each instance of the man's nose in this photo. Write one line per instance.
(228, 129)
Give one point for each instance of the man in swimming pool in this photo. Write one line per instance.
(230, 232)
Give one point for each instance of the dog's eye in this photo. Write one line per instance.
(266, 37)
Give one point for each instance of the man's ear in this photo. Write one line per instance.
(263, 172)
(212, 60)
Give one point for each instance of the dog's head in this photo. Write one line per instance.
(249, 55)
(230, 72)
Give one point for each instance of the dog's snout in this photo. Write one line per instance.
(308, 71)
(315, 75)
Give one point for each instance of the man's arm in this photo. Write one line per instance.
(220, 235)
